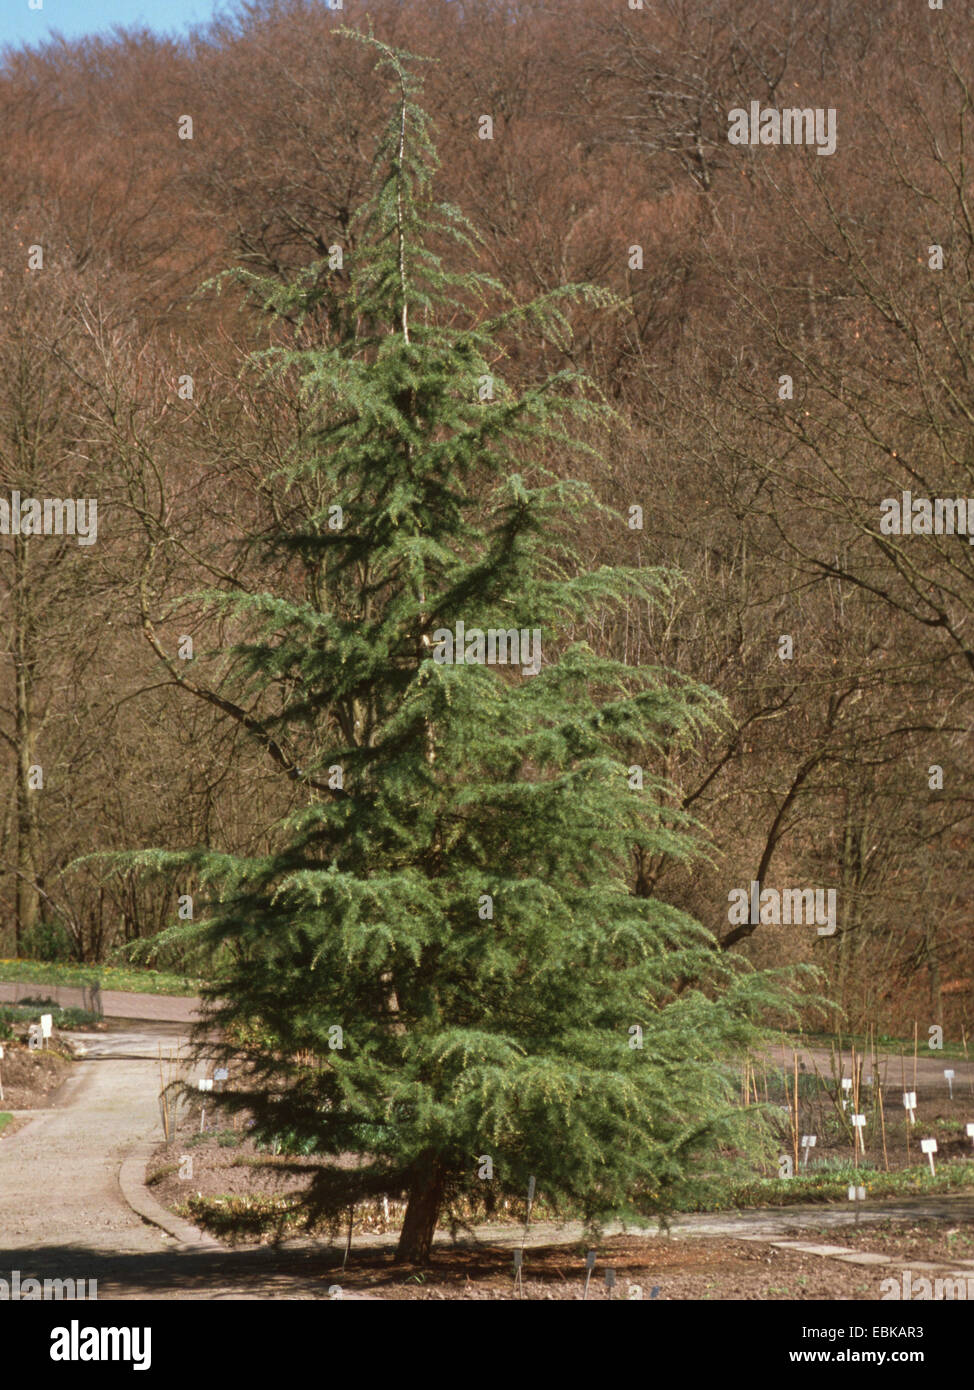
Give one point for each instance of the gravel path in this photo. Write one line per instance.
(58, 1175)
(62, 1213)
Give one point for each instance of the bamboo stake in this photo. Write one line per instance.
(348, 1243)
(882, 1116)
(795, 1125)
(914, 1054)
(162, 1096)
(832, 1095)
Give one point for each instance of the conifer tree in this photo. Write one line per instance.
(441, 967)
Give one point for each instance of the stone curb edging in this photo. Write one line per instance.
(861, 1257)
(131, 1181)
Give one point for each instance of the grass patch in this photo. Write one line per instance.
(253, 1161)
(127, 978)
(884, 1044)
(242, 1216)
(29, 1013)
(5, 1118)
(831, 1184)
(165, 1171)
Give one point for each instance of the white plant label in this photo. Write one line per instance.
(47, 1023)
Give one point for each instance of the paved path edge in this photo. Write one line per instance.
(110, 1003)
(131, 1182)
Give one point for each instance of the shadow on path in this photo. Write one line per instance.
(310, 1269)
(180, 1274)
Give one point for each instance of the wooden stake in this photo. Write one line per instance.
(589, 1266)
(914, 1054)
(823, 1087)
(162, 1096)
(348, 1243)
(878, 1095)
(906, 1113)
(795, 1125)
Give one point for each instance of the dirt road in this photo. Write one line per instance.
(894, 1070)
(59, 1175)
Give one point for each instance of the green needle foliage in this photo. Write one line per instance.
(443, 962)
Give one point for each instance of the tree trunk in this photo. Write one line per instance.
(28, 847)
(422, 1209)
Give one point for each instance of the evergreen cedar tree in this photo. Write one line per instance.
(441, 960)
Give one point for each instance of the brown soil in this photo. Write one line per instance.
(30, 1079)
(694, 1268)
(903, 1241)
(940, 1119)
(213, 1170)
(225, 1162)
(681, 1268)
(235, 1168)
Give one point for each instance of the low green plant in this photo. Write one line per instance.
(28, 1011)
